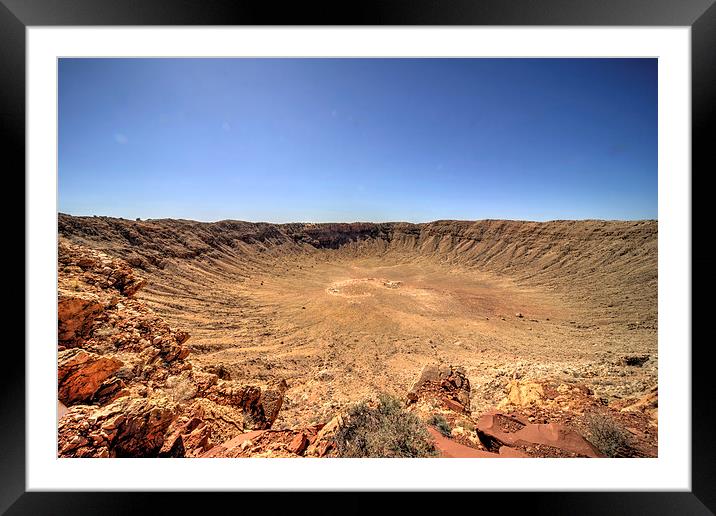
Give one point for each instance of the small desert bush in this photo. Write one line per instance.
(608, 436)
(441, 424)
(386, 430)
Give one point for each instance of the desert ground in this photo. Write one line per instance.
(341, 312)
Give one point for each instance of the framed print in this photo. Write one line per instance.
(314, 250)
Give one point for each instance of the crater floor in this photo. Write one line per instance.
(342, 329)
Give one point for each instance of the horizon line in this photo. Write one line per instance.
(140, 219)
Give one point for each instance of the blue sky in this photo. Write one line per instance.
(416, 140)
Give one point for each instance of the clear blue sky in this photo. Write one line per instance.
(416, 140)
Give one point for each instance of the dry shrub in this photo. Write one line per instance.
(608, 436)
(387, 430)
(441, 424)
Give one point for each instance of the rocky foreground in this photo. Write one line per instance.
(127, 388)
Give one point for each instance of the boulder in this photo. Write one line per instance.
(634, 360)
(445, 384)
(76, 311)
(260, 407)
(496, 429)
(197, 440)
(298, 444)
(446, 447)
(225, 422)
(109, 391)
(325, 438)
(523, 393)
(234, 446)
(128, 427)
(271, 401)
(188, 439)
(80, 374)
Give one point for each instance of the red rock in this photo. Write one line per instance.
(453, 405)
(446, 384)
(324, 440)
(197, 440)
(129, 427)
(260, 407)
(204, 381)
(99, 322)
(109, 391)
(229, 448)
(507, 452)
(97, 269)
(173, 446)
(452, 449)
(324, 447)
(76, 311)
(513, 432)
(186, 439)
(80, 374)
(299, 444)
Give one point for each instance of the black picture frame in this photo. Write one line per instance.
(700, 15)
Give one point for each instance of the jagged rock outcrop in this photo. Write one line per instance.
(128, 427)
(523, 393)
(76, 312)
(445, 383)
(324, 441)
(124, 383)
(268, 443)
(188, 437)
(647, 404)
(81, 374)
(536, 418)
(259, 406)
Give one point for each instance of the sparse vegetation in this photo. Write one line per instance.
(608, 436)
(635, 360)
(441, 424)
(386, 430)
